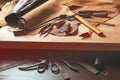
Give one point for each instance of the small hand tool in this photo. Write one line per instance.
(63, 72)
(89, 33)
(30, 6)
(87, 24)
(50, 24)
(48, 28)
(68, 63)
(88, 67)
(73, 7)
(71, 67)
(42, 67)
(63, 16)
(65, 75)
(85, 65)
(99, 66)
(103, 23)
(89, 13)
(54, 67)
(11, 65)
(32, 67)
(45, 29)
(59, 23)
(65, 27)
(13, 17)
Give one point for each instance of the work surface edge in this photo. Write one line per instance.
(60, 46)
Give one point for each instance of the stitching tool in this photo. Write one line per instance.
(85, 65)
(12, 65)
(32, 67)
(68, 63)
(71, 67)
(42, 67)
(48, 28)
(99, 66)
(54, 67)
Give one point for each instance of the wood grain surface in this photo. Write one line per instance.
(95, 42)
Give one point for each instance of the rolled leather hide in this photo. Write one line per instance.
(40, 14)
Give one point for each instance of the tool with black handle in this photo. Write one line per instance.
(90, 13)
(100, 67)
(84, 65)
(31, 6)
(13, 17)
(71, 67)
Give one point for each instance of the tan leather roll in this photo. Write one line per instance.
(40, 14)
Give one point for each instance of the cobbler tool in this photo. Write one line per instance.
(42, 67)
(31, 6)
(99, 67)
(12, 17)
(33, 66)
(46, 30)
(90, 13)
(11, 65)
(97, 64)
(84, 65)
(65, 75)
(54, 67)
(88, 25)
(71, 67)
(103, 23)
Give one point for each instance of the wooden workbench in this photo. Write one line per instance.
(32, 46)
(110, 42)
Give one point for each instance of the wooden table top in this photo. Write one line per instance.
(95, 42)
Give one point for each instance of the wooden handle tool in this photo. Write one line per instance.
(87, 24)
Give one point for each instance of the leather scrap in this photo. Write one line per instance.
(93, 6)
(68, 29)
